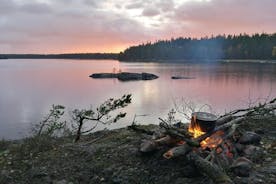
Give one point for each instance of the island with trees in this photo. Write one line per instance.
(243, 47)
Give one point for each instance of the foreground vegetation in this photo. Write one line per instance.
(113, 156)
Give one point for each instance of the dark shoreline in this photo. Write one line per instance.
(114, 56)
(61, 56)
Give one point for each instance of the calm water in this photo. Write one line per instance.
(30, 87)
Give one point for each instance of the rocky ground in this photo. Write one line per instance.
(114, 157)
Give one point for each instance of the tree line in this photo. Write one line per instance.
(61, 56)
(243, 46)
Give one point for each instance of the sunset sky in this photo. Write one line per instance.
(63, 26)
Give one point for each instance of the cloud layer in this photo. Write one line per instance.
(58, 26)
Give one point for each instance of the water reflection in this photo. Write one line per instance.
(30, 87)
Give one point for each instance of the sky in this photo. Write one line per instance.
(75, 26)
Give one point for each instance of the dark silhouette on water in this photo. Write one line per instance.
(125, 76)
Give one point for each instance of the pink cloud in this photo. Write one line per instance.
(100, 26)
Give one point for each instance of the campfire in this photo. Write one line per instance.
(211, 144)
(206, 122)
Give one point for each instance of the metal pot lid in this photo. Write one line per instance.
(204, 116)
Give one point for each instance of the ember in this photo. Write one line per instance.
(210, 142)
(213, 141)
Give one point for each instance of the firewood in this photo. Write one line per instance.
(207, 168)
(167, 140)
(151, 145)
(177, 151)
(180, 134)
(230, 123)
(139, 129)
(148, 146)
(221, 127)
(223, 120)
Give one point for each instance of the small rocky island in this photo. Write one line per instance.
(125, 76)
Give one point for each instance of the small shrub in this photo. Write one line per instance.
(100, 115)
(51, 124)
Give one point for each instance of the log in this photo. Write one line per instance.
(183, 131)
(207, 168)
(223, 120)
(151, 145)
(221, 127)
(177, 151)
(137, 128)
(148, 146)
(229, 124)
(268, 107)
(179, 134)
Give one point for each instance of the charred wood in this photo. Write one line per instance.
(211, 170)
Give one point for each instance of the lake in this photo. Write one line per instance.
(30, 87)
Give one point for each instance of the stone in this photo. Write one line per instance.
(239, 147)
(250, 138)
(253, 153)
(242, 167)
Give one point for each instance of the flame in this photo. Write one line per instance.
(196, 131)
(213, 141)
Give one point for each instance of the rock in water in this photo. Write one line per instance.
(103, 75)
(125, 76)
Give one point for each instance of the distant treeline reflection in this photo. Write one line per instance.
(243, 46)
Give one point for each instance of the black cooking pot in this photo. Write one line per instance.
(206, 121)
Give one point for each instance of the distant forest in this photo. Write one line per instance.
(243, 46)
(61, 56)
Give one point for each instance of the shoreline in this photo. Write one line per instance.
(110, 156)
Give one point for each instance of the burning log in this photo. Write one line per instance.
(221, 127)
(179, 134)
